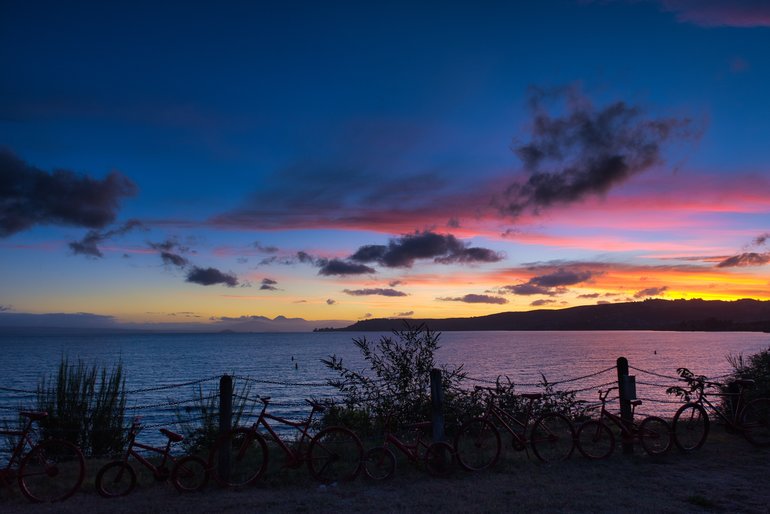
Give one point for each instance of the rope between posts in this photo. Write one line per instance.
(172, 386)
(279, 382)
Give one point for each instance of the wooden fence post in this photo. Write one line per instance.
(225, 420)
(625, 401)
(437, 403)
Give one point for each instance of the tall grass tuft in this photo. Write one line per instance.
(85, 406)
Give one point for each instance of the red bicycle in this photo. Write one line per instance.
(118, 478)
(240, 457)
(52, 470)
(380, 462)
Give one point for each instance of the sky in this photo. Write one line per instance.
(173, 163)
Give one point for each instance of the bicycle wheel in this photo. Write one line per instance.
(238, 458)
(552, 437)
(116, 478)
(190, 473)
(379, 463)
(595, 440)
(335, 454)
(440, 459)
(655, 435)
(755, 421)
(52, 471)
(691, 426)
(477, 444)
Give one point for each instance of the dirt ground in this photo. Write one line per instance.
(726, 475)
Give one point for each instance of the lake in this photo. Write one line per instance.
(288, 367)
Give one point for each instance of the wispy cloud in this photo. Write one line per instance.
(745, 259)
(30, 196)
(585, 151)
(475, 298)
(550, 284)
(268, 284)
(651, 291)
(89, 245)
(374, 292)
(724, 13)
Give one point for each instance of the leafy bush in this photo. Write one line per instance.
(85, 406)
(397, 383)
(755, 367)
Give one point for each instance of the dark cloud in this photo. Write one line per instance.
(174, 259)
(210, 277)
(720, 13)
(374, 292)
(403, 251)
(650, 291)
(406, 314)
(394, 283)
(745, 259)
(5, 308)
(475, 298)
(338, 267)
(268, 284)
(89, 244)
(541, 302)
(586, 151)
(265, 249)
(30, 196)
(761, 240)
(551, 283)
(170, 252)
(589, 296)
(330, 301)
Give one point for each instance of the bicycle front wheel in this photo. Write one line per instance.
(755, 421)
(335, 454)
(477, 444)
(190, 473)
(552, 437)
(52, 471)
(440, 459)
(116, 478)
(655, 435)
(595, 440)
(379, 463)
(238, 458)
(691, 426)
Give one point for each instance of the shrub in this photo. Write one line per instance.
(85, 406)
(755, 367)
(397, 383)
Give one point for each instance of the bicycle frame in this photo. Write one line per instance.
(159, 470)
(509, 422)
(412, 451)
(296, 457)
(730, 419)
(25, 440)
(628, 428)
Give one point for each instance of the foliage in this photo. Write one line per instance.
(755, 367)
(397, 383)
(85, 405)
(199, 421)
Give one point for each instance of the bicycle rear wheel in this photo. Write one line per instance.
(238, 458)
(691, 426)
(595, 440)
(440, 459)
(655, 435)
(52, 471)
(552, 437)
(379, 463)
(477, 444)
(190, 473)
(755, 421)
(335, 454)
(116, 478)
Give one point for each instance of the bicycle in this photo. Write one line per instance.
(118, 478)
(333, 454)
(596, 440)
(691, 421)
(477, 443)
(438, 457)
(52, 470)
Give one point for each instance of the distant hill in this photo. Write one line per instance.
(681, 315)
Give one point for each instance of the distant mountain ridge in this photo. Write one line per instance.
(681, 315)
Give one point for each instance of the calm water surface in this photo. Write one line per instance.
(152, 360)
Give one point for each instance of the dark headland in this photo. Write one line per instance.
(679, 315)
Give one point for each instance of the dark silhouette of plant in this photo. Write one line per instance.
(755, 367)
(397, 382)
(85, 406)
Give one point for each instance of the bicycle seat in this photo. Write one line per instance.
(173, 437)
(34, 415)
(316, 406)
(532, 396)
(636, 403)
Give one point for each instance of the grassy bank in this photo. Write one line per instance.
(727, 475)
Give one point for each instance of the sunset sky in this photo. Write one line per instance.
(191, 162)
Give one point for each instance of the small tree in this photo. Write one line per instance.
(397, 381)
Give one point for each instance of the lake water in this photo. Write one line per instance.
(288, 367)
